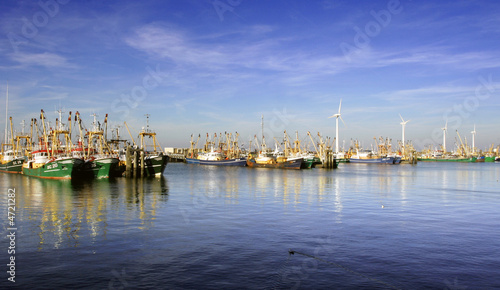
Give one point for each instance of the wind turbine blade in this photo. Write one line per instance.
(332, 116)
(340, 105)
(342, 120)
(446, 125)
(401, 118)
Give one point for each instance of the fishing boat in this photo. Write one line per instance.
(383, 156)
(10, 163)
(227, 154)
(268, 160)
(192, 160)
(117, 147)
(448, 159)
(489, 158)
(365, 156)
(462, 153)
(155, 161)
(12, 155)
(100, 161)
(342, 157)
(44, 166)
(480, 158)
(297, 152)
(440, 156)
(10, 159)
(52, 158)
(217, 158)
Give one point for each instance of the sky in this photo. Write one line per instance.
(216, 66)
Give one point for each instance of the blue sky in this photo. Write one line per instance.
(216, 66)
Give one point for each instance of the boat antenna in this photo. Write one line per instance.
(263, 140)
(147, 122)
(60, 126)
(22, 124)
(95, 127)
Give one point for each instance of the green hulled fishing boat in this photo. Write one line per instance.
(12, 153)
(100, 161)
(53, 168)
(10, 163)
(53, 158)
(489, 158)
(155, 164)
(101, 167)
(154, 161)
(446, 159)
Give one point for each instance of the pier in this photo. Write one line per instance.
(329, 161)
(134, 162)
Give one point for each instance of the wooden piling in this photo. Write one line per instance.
(128, 162)
(329, 161)
(142, 173)
(135, 164)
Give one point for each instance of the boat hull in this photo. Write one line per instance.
(192, 161)
(307, 163)
(103, 167)
(65, 168)
(13, 166)
(155, 165)
(293, 164)
(381, 160)
(227, 162)
(471, 159)
(489, 159)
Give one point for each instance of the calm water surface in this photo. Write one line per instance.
(432, 225)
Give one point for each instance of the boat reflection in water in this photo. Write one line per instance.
(67, 213)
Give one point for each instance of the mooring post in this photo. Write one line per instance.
(136, 160)
(142, 174)
(128, 162)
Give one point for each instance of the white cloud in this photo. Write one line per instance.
(45, 59)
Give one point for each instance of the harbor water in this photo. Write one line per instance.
(430, 225)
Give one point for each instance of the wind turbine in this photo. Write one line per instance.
(474, 139)
(403, 124)
(337, 116)
(444, 136)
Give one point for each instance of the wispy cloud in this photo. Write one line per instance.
(46, 59)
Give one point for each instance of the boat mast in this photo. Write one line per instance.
(42, 117)
(6, 112)
(263, 144)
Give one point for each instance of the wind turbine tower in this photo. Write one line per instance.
(474, 139)
(444, 136)
(337, 116)
(403, 125)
